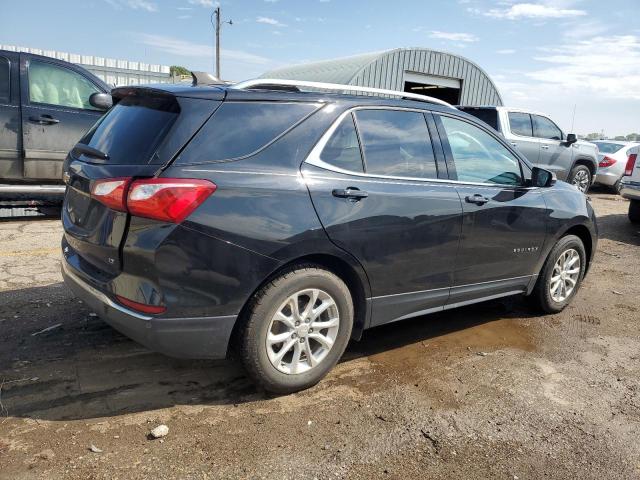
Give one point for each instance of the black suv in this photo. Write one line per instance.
(284, 223)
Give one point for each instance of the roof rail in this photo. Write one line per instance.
(280, 84)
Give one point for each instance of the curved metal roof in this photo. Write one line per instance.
(386, 70)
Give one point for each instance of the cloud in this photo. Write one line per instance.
(270, 21)
(134, 5)
(205, 3)
(587, 65)
(533, 10)
(184, 17)
(453, 36)
(506, 51)
(184, 48)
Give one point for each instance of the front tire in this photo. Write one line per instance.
(561, 275)
(634, 211)
(580, 177)
(297, 328)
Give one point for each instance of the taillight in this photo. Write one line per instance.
(140, 307)
(631, 163)
(167, 199)
(111, 192)
(607, 162)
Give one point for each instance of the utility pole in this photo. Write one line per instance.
(216, 26)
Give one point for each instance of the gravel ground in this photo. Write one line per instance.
(489, 391)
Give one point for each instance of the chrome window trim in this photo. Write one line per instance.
(314, 156)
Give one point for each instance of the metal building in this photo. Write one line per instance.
(110, 70)
(448, 77)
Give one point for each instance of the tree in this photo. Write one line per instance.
(620, 138)
(633, 137)
(593, 136)
(177, 70)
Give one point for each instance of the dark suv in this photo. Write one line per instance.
(285, 222)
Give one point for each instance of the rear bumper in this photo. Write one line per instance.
(200, 337)
(607, 178)
(630, 190)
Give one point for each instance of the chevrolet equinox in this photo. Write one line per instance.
(278, 220)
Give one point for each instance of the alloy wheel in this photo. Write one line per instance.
(564, 277)
(581, 180)
(302, 331)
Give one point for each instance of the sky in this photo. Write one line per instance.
(545, 55)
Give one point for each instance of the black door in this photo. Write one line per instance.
(55, 114)
(390, 211)
(503, 228)
(10, 127)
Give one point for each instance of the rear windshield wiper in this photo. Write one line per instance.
(81, 148)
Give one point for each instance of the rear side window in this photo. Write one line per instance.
(487, 115)
(521, 124)
(545, 128)
(239, 129)
(396, 143)
(5, 89)
(132, 130)
(343, 150)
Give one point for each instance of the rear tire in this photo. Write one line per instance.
(313, 344)
(634, 211)
(547, 294)
(580, 177)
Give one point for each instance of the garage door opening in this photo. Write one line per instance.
(448, 94)
(443, 88)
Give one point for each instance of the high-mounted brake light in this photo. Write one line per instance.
(606, 162)
(111, 192)
(167, 199)
(631, 163)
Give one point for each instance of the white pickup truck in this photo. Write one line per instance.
(630, 184)
(543, 143)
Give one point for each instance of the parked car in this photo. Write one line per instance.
(630, 184)
(285, 222)
(46, 106)
(612, 161)
(543, 143)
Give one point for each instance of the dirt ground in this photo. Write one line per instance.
(489, 391)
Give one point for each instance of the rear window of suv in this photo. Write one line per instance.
(133, 129)
(240, 129)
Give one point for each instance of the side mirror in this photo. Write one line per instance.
(571, 138)
(542, 178)
(102, 101)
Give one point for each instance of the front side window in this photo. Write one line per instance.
(343, 150)
(545, 128)
(5, 76)
(479, 157)
(396, 143)
(520, 124)
(55, 85)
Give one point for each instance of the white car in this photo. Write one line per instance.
(612, 162)
(630, 184)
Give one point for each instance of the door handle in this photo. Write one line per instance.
(352, 193)
(44, 120)
(546, 147)
(514, 144)
(477, 199)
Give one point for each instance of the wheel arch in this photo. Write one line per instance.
(353, 275)
(583, 233)
(587, 162)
